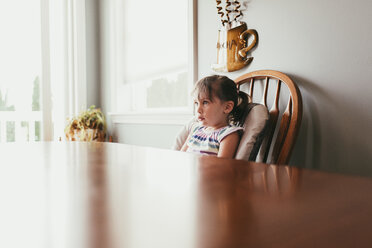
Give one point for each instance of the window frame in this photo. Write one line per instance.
(176, 116)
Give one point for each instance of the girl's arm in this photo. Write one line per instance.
(185, 146)
(229, 145)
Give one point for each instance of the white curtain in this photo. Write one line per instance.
(63, 64)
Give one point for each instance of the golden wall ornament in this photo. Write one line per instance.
(232, 43)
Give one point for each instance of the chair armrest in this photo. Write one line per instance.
(183, 134)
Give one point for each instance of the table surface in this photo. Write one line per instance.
(113, 195)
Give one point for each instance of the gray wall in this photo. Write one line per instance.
(325, 46)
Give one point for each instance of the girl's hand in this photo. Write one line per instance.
(229, 145)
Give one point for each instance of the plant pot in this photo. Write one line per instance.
(87, 135)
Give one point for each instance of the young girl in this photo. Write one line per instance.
(220, 110)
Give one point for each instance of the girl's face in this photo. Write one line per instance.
(212, 112)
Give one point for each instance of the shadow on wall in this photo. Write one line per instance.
(328, 139)
(307, 149)
(353, 137)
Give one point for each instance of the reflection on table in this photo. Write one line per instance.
(112, 195)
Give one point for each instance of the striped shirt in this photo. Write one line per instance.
(206, 140)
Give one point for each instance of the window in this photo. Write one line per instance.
(20, 77)
(153, 57)
(42, 78)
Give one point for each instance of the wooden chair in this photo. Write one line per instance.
(280, 138)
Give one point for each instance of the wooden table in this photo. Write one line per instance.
(113, 195)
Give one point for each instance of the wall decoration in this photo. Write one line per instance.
(232, 42)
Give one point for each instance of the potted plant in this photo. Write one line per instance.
(89, 125)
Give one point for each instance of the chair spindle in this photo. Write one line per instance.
(282, 133)
(273, 118)
(251, 88)
(264, 95)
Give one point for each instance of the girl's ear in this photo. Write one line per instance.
(229, 106)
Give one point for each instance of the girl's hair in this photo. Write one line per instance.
(224, 89)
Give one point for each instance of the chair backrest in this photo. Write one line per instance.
(281, 135)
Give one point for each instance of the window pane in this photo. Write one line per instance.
(168, 91)
(20, 60)
(37, 130)
(10, 137)
(155, 55)
(155, 39)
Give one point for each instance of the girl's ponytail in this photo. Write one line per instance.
(240, 112)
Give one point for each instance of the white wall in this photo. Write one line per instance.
(325, 46)
(161, 136)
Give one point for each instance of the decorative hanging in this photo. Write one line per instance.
(232, 42)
